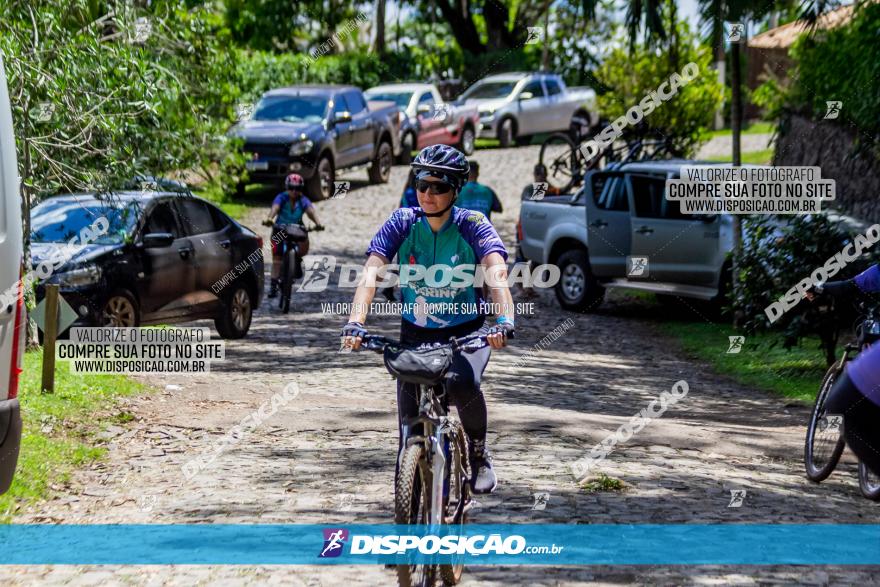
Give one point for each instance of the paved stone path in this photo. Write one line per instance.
(328, 456)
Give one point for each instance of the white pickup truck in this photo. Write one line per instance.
(514, 106)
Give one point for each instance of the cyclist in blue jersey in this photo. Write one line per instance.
(856, 395)
(441, 234)
(288, 207)
(409, 198)
(478, 197)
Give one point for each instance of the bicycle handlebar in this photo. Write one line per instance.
(377, 343)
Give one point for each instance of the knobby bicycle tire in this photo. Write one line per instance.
(287, 269)
(458, 467)
(821, 472)
(413, 490)
(869, 483)
(565, 168)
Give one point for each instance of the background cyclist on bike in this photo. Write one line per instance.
(288, 207)
(856, 395)
(440, 233)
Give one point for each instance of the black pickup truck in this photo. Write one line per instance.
(315, 131)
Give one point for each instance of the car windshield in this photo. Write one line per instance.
(400, 98)
(489, 90)
(291, 108)
(60, 220)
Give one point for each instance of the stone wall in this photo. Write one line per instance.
(832, 146)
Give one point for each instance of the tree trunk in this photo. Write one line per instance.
(379, 42)
(735, 122)
(545, 54)
(462, 24)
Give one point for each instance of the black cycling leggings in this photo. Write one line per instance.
(462, 381)
(861, 421)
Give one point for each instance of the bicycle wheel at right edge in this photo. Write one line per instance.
(412, 502)
(458, 497)
(824, 444)
(869, 483)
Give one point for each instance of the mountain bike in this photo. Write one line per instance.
(567, 165)
(291, 235)
(433, 481)
(825, 441)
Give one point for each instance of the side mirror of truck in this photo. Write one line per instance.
(424, 108)
(341, 117)
(526, 96)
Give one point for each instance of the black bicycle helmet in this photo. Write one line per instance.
(443, 161)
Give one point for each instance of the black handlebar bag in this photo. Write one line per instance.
(295, 233)
(420, 366)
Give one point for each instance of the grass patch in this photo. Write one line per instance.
(762, 363)
(761, 127)
(602, 483)
(59, 428)
(256, 196)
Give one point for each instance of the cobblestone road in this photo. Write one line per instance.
(329, 454)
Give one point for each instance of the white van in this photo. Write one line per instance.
(12, 310)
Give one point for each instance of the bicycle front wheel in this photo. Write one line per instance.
(412, 503)
(560, 156)
(825, 442)
(869, 483)
(287, 270)
(457, 500)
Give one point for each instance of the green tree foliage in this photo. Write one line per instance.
(103, 91)
(632, 74)
(841, 64)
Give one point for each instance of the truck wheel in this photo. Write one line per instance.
(380, 171)
(407, 146)
(577, 289)
(320, 185)
(467, 141)
(506, 133)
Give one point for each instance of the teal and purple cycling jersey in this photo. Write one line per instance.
(290, 214)
(461, 243)
(864, 371)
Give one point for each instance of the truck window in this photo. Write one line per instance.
(552, 87)
(355, 101)
(535, 88)
(161, 219)
(612, 195)
(426, 98)
(648, 195)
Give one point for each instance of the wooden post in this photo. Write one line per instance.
(50, 333)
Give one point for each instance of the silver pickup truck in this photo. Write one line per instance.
(620, 231)
(514, 106)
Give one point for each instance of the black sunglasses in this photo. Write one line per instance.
(435, 187)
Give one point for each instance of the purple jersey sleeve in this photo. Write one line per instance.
(280, 199)
(869, 280)
(305, 203)
(392, 234)
(479, 233)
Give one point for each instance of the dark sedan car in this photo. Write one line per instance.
(140, 258)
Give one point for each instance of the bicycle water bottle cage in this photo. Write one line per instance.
(423, 366)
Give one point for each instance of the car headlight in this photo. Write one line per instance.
(78, 276)
(301, 148)
(488, 113)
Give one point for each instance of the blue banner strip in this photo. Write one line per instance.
(480, 544)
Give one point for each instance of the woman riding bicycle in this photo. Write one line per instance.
(856, 395)
(438, 233)
(288, 207)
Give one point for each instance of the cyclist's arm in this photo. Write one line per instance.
(496, 278)
(274, 212)
(310, 212)
(364, 294)
(867, 281)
